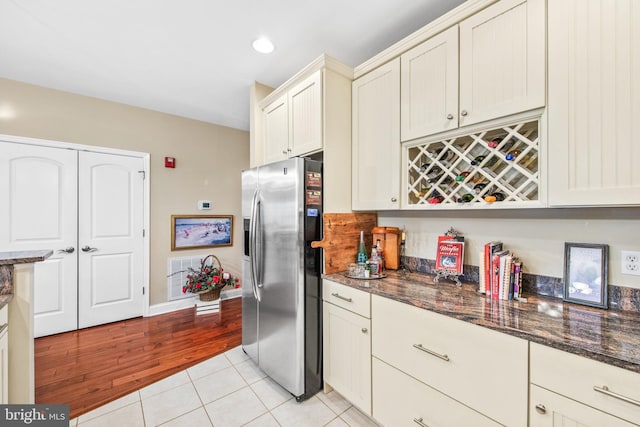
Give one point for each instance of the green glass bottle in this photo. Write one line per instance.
(362, 250)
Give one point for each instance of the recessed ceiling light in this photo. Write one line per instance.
(263, 45)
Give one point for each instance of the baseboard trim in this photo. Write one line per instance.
(168, 307)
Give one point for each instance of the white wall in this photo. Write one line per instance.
(535, 235)
(209, 162)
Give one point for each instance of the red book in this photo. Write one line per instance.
(450, 254)
(489, 249)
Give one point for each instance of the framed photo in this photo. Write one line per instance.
(201, 231)
(585, 274)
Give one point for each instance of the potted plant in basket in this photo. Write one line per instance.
(209, 280)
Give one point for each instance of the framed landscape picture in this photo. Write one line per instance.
(201, 231)
(585, 274)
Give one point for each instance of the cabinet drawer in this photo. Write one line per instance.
(577, 377)
(399, 400)
(350, 298)
(481, 368)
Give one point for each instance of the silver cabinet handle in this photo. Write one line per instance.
(364, 330)
(88, 248)
(393, 199)
(337, 295)
(68, 250)
(541, 409)
(605, 390)
(463, 113)
(419, 422)
(433, 353)
(449, 116)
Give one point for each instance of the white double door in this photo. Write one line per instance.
(89, 208)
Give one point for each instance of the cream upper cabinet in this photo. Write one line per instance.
(376, 139)
(502, 60)
(293, 122)
(429, 86)
(347, 343)
(594, 101)
(276, 130)
(305, 115)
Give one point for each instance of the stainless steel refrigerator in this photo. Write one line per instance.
(281, 290)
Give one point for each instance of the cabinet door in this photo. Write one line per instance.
(305, 116)
(594, 102)
(4, 366)
(429, 85)
(548, 409)
(376, 139)
(502, 60)
(276, 131)
(347, 355)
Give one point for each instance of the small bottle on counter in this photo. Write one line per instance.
(362, 250)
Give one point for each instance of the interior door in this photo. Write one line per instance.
(38, 189)
(110, 240)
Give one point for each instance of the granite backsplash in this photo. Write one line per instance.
(620, 297)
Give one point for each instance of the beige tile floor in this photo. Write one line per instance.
(225, 391)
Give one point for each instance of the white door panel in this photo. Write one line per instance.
(39, 185)
(110, 224)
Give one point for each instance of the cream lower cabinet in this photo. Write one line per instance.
(595, 394)
(549, 409)
(4, 356)
(347, 343)
(400, 400)
(594, 101)
(483, 371)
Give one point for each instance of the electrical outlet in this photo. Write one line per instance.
(630, 262)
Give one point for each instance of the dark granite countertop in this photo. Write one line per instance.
(24, 257)
(608, 336)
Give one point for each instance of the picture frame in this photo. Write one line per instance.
(201, 231)
(585, 274)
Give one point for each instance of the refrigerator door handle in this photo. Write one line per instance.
(259, 259)
(252, 245)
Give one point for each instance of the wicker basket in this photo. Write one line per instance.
(211, 294)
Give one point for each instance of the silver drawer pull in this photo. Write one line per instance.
(541, 409)
(419, 422)
(433, 353)
(337, 295)
(605, 390)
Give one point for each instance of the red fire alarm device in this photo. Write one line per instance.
(169, 162)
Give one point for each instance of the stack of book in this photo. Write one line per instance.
(500, 273)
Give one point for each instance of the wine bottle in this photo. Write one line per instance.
(465, 198)
(477, 160)
(362, 250)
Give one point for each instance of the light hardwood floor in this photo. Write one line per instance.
(91, 367)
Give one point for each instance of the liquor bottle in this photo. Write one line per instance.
(479, 187)
(362, 250)
(380, 252)
(373, 264)
(512, 154)
(494, 197)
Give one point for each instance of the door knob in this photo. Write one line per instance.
(449, 116)
(464, 113)
(88, 248)
(68, 250)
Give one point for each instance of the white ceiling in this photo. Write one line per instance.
(193, 58)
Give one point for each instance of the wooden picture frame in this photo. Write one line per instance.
(585, 274)
(201, 231)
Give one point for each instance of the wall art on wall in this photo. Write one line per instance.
(585, 273)
(201, 231)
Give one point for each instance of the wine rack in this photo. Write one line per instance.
(498, 167)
